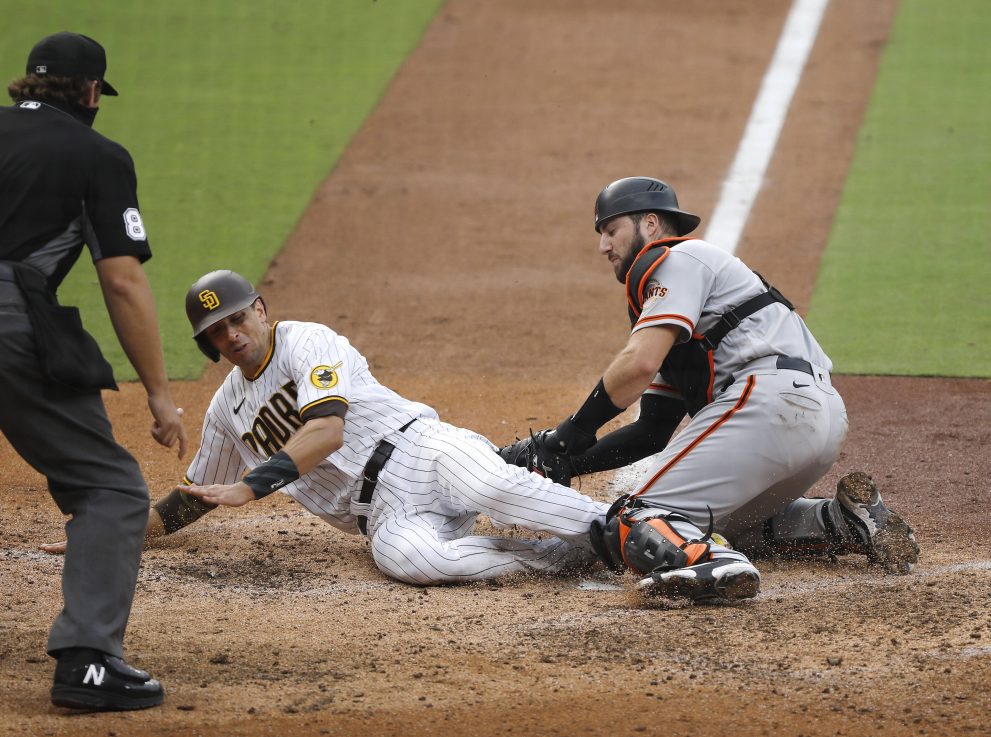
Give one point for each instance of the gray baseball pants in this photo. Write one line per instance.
(67, 436)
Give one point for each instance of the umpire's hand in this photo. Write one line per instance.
(167, 429)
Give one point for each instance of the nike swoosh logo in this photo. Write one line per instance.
(238, 405)
(794, 384)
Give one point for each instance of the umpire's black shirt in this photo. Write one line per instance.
(63, 184)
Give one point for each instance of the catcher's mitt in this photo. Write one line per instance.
(534, 454)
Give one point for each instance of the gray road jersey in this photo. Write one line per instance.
(694, 285)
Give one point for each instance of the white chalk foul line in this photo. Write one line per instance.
(754, 152)
(766, 119)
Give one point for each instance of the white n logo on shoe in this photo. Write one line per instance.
(94, 676)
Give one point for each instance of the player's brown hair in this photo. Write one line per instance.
(70, 90)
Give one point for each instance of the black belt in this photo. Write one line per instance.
(11, 297)
(371, 475)
(795, 364)
(783, 362)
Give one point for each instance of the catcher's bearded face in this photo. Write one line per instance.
(620, 240)
(243, 338)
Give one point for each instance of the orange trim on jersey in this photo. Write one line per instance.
(674, 241)
(751, 380)
(646, 276)
(667, 316)
(268, 356)
(314, 403)
(629, 296)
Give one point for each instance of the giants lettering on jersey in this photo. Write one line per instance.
(275, 422)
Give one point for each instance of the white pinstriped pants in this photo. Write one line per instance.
(437, 481)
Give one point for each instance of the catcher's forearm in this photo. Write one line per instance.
(621, 447)
(176, 510)
(659, 417)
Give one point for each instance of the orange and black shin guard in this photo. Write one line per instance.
(649, 541)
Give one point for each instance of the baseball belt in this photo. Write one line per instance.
(370, 475)
(795, 364)
(781, 362)
(11, 298)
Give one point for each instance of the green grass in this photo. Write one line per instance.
(234, 111)
(904, 287)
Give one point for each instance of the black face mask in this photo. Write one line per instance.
(85, 114)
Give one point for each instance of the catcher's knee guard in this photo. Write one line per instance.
(643, 539)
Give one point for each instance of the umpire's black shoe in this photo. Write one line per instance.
(104, 683)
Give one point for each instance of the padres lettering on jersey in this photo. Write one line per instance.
(275, 422)
(311, 371)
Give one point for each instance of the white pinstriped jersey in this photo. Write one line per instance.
(695, 284)
(249, 420)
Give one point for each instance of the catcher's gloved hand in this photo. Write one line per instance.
(570, 439)
(534, 454)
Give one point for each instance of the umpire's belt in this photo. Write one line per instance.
(371, 475)
(10, 294)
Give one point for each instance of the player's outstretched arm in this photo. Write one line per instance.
(227, 495)
(318, 438)
(649, 434)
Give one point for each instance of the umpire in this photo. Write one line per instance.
(62, 185)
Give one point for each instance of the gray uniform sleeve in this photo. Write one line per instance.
(676, 294)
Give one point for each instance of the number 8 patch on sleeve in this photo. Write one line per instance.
(133, 225)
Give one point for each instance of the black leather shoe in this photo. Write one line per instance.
(104, 683)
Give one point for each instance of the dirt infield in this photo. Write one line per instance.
(453, 244)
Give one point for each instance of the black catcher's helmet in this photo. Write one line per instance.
(641, 194)
(213, 297)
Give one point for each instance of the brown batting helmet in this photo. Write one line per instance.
(213, 297)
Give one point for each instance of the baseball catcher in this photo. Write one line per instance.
(712, 341)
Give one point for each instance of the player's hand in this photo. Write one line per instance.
(54, 548)
(167, 429)
(229, 495)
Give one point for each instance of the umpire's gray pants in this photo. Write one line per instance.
(67, 437)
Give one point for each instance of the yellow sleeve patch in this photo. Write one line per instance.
(324, 377)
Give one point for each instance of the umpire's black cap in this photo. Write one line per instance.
(68, 54)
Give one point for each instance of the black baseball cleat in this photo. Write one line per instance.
(882, 534)
(709, 581)
(104, 683)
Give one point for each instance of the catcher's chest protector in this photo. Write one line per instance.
(690, 366)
